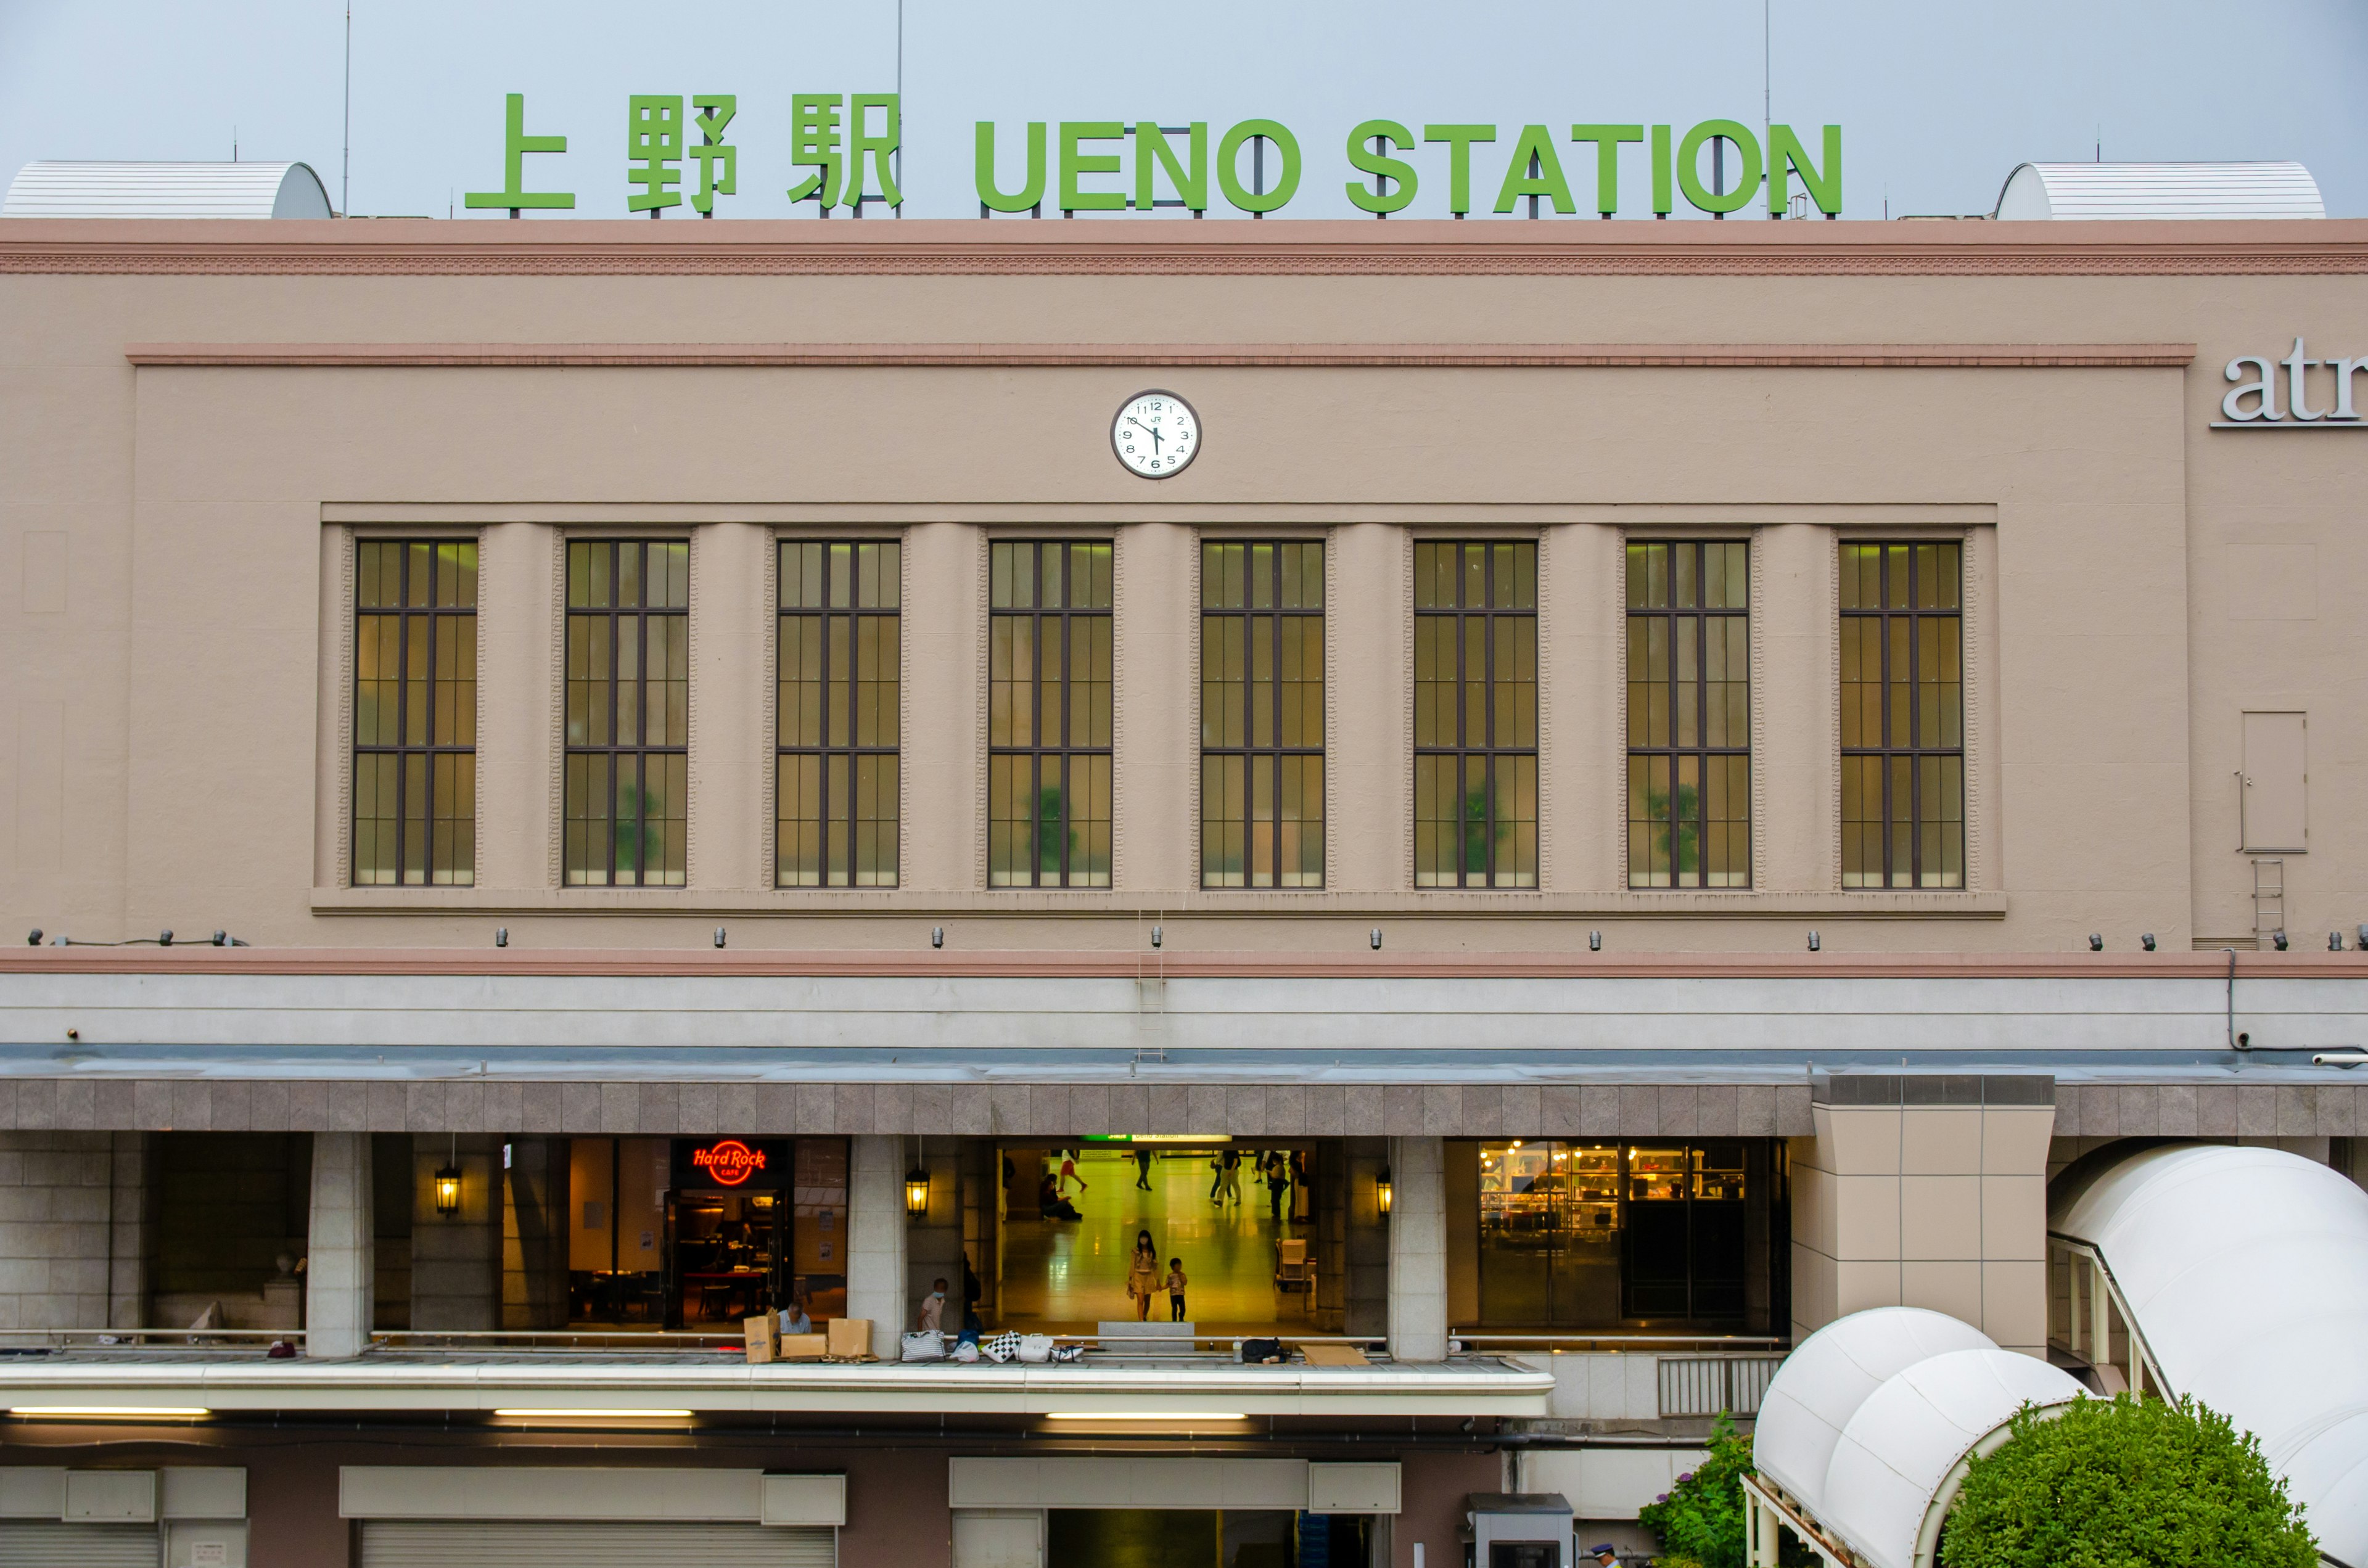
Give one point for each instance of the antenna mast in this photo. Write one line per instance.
(345, 175)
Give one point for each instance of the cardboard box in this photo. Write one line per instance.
(803, 1347)
(764, 1332)
(850, 1336)
(1334, 1355)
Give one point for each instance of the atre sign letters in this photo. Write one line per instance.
(2253, 403)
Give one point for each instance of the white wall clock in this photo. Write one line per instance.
(1155, 435)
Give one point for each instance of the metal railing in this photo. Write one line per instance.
(1103, 1348)
(1632, 1344)
(1715, 1386)
(55, 1341)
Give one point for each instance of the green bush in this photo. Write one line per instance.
(2125, 1484)
(1700, 1518)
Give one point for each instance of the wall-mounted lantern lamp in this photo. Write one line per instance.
(1383, 1192)
(917, 1192)
(448, 1181)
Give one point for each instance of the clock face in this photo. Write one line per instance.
(1155, 435)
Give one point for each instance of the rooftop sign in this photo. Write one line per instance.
(847, 143)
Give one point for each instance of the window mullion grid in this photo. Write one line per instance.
(1915, 738)
(1459, 755)
(1487, 725)
(1058, 744)
(1273, 626)
(1676, 736)
(639, 697)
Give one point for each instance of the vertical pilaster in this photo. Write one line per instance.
(944, 641)
(1158, 842)
(1581, 766)
(875, 1239)
(730, 706)
(1795, 748)
(1418, 1224)
(1369, 754)
(337, 1272)
(518, 728)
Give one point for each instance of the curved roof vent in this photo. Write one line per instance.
(2178, 192)
(167, 190)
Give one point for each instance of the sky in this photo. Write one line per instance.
(1936, 104)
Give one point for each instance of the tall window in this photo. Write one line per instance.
(1262, 715)
(628, 713)
(1903, 716)
(1048, 715)
(414, 713)
(1689, 715)
(838, 714)
(1475, 715)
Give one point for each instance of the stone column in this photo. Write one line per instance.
(340, 1249)
(456, 1261)
(132, 1215)
(875, 1239)
(1418, 1249)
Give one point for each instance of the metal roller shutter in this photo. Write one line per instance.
(519, 1543)
(79, 1546)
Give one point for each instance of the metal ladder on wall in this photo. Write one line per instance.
(2269, 901)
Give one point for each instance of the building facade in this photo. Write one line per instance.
(573, 785)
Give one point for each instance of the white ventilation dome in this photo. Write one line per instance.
(1901, 1459)
(2092, 192)
(2247, 1270)
(167, 190)
(1821, 1385)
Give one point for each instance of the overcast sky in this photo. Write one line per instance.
(1937, 103)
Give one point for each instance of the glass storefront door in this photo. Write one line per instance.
(1550, 1232)
(1600, 1235)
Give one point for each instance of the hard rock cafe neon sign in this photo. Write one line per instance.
(730, 1162)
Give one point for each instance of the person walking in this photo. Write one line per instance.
(1229, 1177)
(1069, 1172)
(1176, 1283)
(1278, 1188)
(1143, 1275)
(1142, 1170)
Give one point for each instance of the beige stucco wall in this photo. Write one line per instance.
(175, 752)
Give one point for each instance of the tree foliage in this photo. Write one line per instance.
(1700, 1520)
(2128, 1483)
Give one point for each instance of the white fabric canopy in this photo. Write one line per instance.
(1822, 1384)
(1895, 1471)
(2247, 1270)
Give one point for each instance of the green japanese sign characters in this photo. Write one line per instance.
(846, 146)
